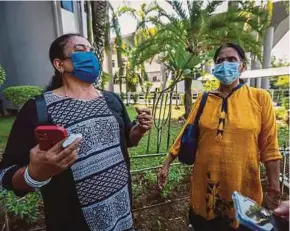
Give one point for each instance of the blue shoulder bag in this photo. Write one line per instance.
(189, 139)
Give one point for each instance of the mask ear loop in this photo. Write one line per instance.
(97, 83)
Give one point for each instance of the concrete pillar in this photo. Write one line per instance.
(83, 18)
(208, 67)
(267, 54)
(248, 58)
(57, 18)
(255, 82)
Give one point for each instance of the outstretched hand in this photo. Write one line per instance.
(145, 119)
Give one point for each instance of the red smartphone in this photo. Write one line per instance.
(48, 136)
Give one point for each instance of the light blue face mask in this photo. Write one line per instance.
(227, 72)
(86, 66)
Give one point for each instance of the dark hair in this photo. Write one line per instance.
(56, 51)
(238, 49)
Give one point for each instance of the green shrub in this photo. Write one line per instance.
(25, 208)
(2, 75)
(285, 102)
(135, 97)
(281, 113)
(123, 95)
(18, 95)
(283, 136)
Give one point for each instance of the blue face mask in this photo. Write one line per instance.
(86, 66)
(227, 72)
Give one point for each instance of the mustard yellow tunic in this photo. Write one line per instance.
(236, 134)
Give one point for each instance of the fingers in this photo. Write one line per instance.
(56, 148)
(36, 148)
(69, 160)
(145, 127)
(283, 208)
(162, 178)
(143, 111)
(144, 117)
(145, 123)
(147, 111)
(138, 110)
(68, 151)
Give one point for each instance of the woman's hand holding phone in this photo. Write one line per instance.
(46, 164)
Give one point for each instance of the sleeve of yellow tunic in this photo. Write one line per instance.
(174, 150)
(268, 138)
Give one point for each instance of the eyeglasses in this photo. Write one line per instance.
(228, 59)
(83, 48)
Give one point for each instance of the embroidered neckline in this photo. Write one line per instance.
(223, 114)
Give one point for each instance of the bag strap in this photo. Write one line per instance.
(201, 107)
(41, 110)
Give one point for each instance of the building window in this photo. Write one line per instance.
(154, 79)
(113, 63)
(67, 5)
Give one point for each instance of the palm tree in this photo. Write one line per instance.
(190, 35)
(115, 25)
(99, 13)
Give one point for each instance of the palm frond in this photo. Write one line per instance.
(178, 8)
(211, 6)
(126, 10)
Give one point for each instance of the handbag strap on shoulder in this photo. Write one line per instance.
(201, 107)
(41, 110)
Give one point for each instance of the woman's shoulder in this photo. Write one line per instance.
(262, 96)
(259, 92)
(110, 94)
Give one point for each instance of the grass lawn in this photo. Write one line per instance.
(6, 124)
(5, 127)
(142, 147)
(144, 183)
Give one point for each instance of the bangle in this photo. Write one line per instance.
(33, 183)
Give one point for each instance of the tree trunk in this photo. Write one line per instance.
(89, 23)
(108, 55)
(121, 67)
(99, 12)
(187, 96)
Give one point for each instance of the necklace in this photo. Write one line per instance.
(67, 96)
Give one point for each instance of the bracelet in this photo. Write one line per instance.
(33, 183)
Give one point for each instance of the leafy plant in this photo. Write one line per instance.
(211, 85)
(2, 76)
(283, 136)
(122, 95)
(192, 34)
(175, 176)
(285, 102)
(105, 78)
(283, 81)
(135, 97)
(281, 113)
(18, 95)
(25, 208)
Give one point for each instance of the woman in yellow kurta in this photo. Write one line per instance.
(237, 132)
